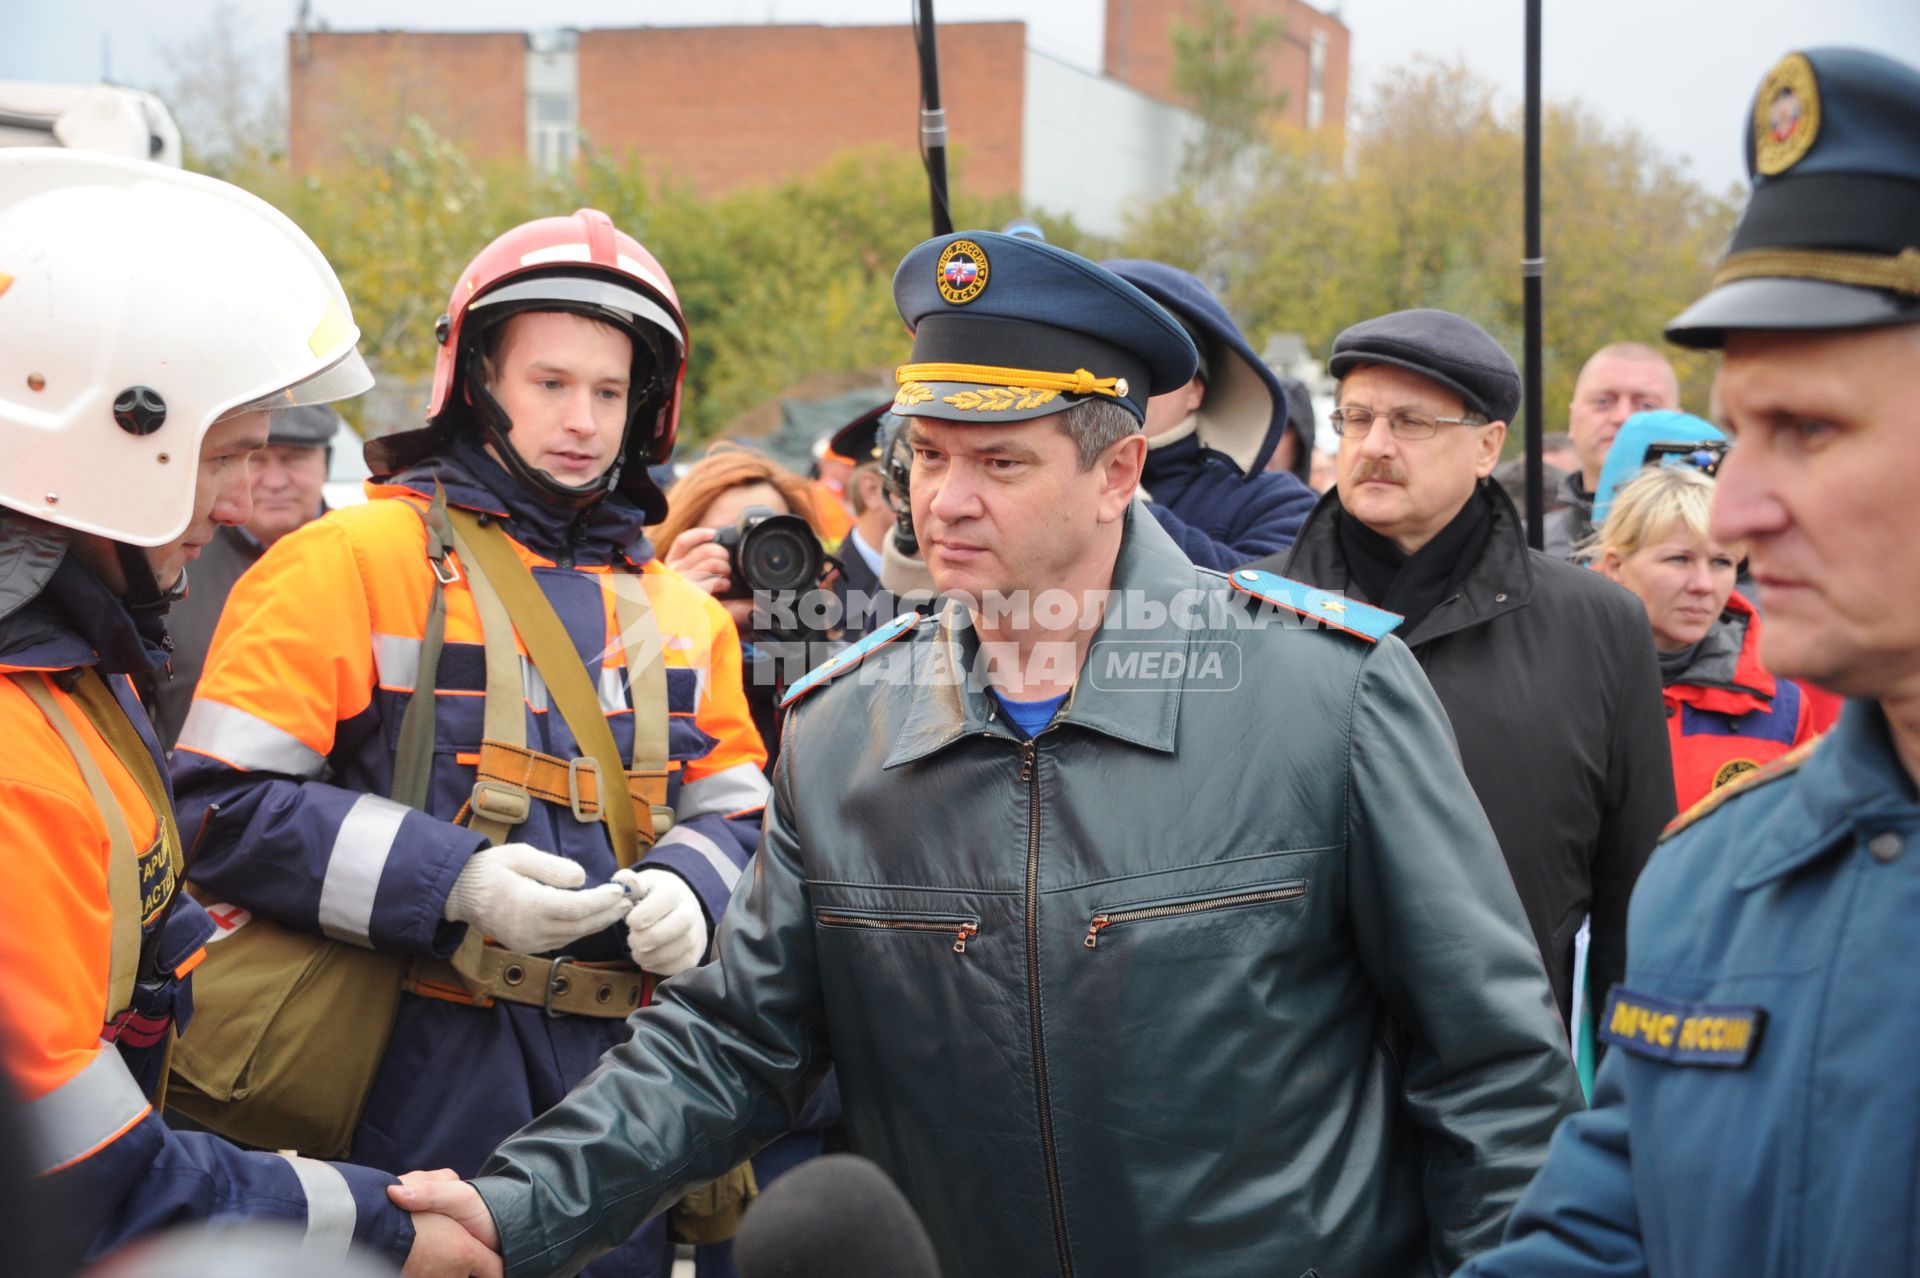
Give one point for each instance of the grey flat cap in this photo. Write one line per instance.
(1442, 347)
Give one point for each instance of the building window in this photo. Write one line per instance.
(553, 140)
(1316, 80)
(553, 100)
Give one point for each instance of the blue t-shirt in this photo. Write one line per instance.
(1030, 716)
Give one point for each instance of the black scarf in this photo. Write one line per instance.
(1414, 585)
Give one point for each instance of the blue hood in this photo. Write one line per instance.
(1246, 410)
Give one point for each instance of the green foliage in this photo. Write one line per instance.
(787, 281)
(1221, 70)
(777, 282)
(1425, 210)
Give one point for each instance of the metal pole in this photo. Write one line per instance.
(1532, 266)
(933, 119)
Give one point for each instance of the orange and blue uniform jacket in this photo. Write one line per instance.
(1727, 714)
(293, 732)
(88, 1081)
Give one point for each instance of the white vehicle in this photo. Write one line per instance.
(346, 471)
(92, 117)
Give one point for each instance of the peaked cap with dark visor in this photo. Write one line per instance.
(1007, 328)
(1830, 236)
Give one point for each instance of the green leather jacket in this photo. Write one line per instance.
(1216, 975)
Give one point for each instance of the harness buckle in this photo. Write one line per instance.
(583, 811)
(558, 984)
(505, 804)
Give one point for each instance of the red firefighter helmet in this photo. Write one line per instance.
(585, 265)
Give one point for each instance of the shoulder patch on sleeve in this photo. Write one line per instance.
(1785, 765)
(1336, 612)
(847, 658)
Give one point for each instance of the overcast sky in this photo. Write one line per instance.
(1679, 70)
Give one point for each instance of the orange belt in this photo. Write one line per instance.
(510, 776)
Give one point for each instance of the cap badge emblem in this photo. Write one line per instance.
(1786, 116)
(961, 272)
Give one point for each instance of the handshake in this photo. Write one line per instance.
(453, 1232)
(532, 901)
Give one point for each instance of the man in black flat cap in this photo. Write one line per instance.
(1118, 978)
(1546, 670)
(287, 478)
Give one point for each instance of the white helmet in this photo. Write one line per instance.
(139, 305)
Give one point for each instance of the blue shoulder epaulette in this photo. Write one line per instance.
(849, 657)
(1709, 803)
(1336, 612)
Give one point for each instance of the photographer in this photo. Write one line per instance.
(705, 507)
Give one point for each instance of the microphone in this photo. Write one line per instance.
(837, 1216)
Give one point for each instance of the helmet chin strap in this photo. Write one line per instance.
(548, 490)
(143, 597)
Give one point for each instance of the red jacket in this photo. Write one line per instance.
(1727, 715)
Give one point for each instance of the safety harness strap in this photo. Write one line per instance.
(646, 655)
(413, 752)
(123, 863)
(487, 549)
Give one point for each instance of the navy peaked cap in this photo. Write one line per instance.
(1006, 328)
(1830, 236)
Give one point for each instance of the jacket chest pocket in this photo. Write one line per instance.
(1190, 908)
(956, 929)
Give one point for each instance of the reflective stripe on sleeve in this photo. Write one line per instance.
(246, 741)
(396, 661)
(87, 1112)
(359, 855)
(330, 1210)
(740, 788)
(709, 852)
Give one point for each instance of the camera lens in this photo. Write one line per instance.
(780, 553)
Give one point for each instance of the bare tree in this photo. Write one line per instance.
(227, 86)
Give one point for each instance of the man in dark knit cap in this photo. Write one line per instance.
(1546, 670)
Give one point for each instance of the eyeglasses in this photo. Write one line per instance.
(1405, 423)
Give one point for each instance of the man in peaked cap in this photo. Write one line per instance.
(1118, 979)
(864, 602)
(1547, 671)
(1756, 1114)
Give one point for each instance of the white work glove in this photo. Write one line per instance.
(526, 899)
(667, 930)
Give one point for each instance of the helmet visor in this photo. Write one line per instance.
(343, 379)
(626, 305)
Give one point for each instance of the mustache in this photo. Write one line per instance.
(1370, 470)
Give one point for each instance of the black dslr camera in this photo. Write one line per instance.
(769, 553)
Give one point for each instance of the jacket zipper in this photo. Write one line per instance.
(1106, 919)
(1030, 774)
(962, 930)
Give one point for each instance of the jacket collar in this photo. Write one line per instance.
(1573, 493)
(1501, 582)
(77, 621)
(948, 703)
(611, 527)
(1851, 779)
(1728, 678)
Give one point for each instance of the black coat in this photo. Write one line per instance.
(190, 624)
(1548, 673)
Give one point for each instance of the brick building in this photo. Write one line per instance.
(723, 107)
